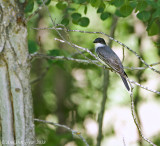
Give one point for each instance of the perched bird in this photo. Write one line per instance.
(109, 57)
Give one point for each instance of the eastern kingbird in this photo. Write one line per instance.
(109, 57)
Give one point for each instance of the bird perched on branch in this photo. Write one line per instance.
(109, 57)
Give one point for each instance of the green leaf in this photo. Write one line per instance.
(118, 13)
(71, 9)
(76, 16)
(85, 9)
(74, 21)
(158, 3)
(61, 5)
(41, 2)
(133, 3)
(141, 5)
(79, 1)
(29, 7)
(126, 10)
(21, 1)
(100, 10)
(105, 15)
(95, 3)
(57, 52)
(154, 29)
(32, 46)
(65, 21)
(84, 21)
(152, 3)
(117, 3)
(156, 14)
(144, 15)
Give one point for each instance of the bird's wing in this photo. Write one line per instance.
(110, 58)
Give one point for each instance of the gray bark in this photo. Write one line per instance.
(15, 93)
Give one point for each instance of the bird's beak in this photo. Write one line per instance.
(94, 41)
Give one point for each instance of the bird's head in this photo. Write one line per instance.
(99, 42)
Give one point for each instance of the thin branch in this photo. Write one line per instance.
(124, 143)
(135, 119)
(141, 68)
(144, 87)
(63, 39)
(87, 50)
(38, 55)
(74, 132)
(109, 38)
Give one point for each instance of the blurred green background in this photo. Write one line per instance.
(70, 93)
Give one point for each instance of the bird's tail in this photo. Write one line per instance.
(125, 82)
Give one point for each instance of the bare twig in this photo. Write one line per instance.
(135, 119)
(85, 49)
(124, 142)
(144, 87)
(123, 55)
(69, 43)
(141, 68)
(74, 132)
(109, 38)
(38, 55)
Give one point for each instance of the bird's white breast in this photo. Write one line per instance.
(97, 45)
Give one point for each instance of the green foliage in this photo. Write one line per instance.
(85, 10)
(148, 10)
(126, 10)
(95, 3)
(76, 16)
(83, 21)
(141, 6)
(153, 29)
(79, 1)
(105, 15)
(47, 2)
(65, 21)
(32, 46)
(144, 16)
(152, 3)
(156, 14)
(100, 10)
(57, 52)
(117, 3)
(70, 89)
(21, 1)
(77, 19)
(61, 5)
(29, 7)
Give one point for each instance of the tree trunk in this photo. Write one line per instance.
(16, 109)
